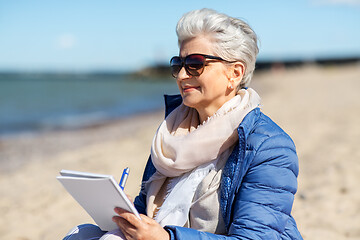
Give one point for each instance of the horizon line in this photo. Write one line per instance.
(260, 63)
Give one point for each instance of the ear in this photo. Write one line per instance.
(236, 73)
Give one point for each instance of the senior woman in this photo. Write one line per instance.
(219, 168)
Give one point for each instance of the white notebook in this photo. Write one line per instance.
(98, 194)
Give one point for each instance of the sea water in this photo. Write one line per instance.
(35, 102)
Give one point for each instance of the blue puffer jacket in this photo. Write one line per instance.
(258, 183)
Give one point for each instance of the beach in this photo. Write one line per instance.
(317, 106)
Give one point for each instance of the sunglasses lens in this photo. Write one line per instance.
(176, 65)
(194, 64)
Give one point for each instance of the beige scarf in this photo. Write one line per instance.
(181, 144)
(183, 149)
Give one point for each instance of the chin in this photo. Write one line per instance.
(189, 101)
(192, 103)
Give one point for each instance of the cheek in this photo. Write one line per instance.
(215, 81)
(214, 87)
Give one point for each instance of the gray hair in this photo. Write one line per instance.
(234, 40)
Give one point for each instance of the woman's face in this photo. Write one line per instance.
(209, 91)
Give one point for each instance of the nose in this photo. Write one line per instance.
(182, 74)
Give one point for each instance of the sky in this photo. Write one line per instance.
(121, 35)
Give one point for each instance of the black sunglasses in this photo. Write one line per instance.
(194, 64)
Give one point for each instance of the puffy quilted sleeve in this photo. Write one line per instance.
(264, 201)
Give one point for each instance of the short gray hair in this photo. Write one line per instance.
(234, 40)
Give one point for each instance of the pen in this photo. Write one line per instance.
(124, 177)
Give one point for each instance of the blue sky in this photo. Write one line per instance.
(92, 35)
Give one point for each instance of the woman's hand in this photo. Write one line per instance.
(134, 228)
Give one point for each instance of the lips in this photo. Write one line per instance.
(190, 88)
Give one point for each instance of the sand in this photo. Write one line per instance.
(318, 106)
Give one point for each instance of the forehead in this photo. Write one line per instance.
(200, 44)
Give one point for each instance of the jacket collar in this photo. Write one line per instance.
(171, 102)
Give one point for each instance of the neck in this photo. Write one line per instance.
(209, 110)
(204, 115)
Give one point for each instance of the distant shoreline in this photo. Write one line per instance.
(162, 70)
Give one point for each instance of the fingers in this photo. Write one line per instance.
(127, 222)
(129, 217)
(125, 227)
(134, 228)
(121, 222)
